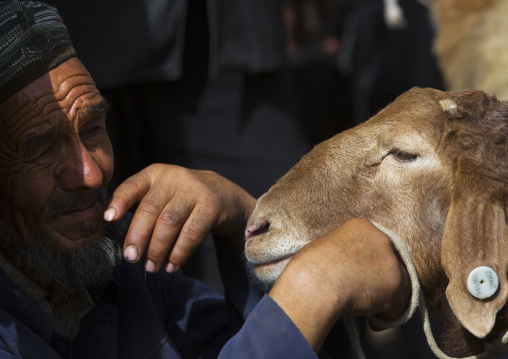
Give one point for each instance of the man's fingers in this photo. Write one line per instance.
(177, 208)
(167, 229)
(130, 192)
(143, 222)
(191, 235)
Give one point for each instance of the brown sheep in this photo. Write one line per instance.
(431, 167)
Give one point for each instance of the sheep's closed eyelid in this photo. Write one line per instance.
(401, 155)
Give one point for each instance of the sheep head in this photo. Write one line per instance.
(432, 167)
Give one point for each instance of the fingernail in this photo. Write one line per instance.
(149, 266)
(130, 253)
(110, 214)
(170, 268)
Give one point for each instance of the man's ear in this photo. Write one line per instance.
(474, 254)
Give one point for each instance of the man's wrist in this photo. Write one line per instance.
(309, 307)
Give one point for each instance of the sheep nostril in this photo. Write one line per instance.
(259, 227)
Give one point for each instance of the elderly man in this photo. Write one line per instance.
(66, 290)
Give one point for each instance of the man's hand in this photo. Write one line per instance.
(177, 208)
(352, 270)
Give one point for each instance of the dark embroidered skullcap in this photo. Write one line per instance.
(33, 40)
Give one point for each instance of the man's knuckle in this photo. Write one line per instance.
(158, 242)
(181, 252)
(131, 184)
(170, 218)
(190, 232)
(149, 207)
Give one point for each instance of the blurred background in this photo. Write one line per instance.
(246, 87)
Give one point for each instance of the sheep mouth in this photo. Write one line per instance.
(269, 272)
(261, 262)
(259, 252)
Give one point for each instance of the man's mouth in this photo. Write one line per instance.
(83, 221)
(85, 210)
(80, 204)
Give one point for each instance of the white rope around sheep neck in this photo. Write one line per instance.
(493, 348)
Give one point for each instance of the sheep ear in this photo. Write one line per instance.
(476, 236)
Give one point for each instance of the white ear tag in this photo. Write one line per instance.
(482, 282)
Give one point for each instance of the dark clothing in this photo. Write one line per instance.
(143, 315)
(128, 320)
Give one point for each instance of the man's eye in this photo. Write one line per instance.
(403, 156)
(48, 151)
(92, 134)
(95, 130)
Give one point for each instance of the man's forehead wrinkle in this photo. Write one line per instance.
(63, 84)
(31, 123)
(29, 113)
(53, 98)
(67, 108)
(71, 84)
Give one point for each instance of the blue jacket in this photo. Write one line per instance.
(138, 315)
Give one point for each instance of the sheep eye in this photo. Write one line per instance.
(403, 156)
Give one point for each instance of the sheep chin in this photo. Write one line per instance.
(268, 273)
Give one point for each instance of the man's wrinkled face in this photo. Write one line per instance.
(55, 161)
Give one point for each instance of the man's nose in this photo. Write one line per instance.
(81, 169)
